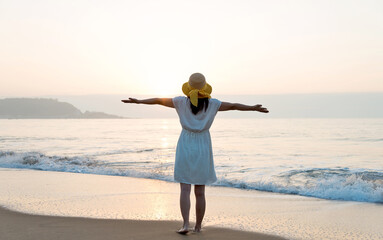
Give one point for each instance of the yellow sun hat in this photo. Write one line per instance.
(196, 87)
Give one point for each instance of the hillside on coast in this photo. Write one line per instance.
(22, 108)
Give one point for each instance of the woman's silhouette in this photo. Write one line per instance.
(194, 155)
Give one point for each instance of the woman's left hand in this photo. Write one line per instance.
(259, 108)
(130, 100)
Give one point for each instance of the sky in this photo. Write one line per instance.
(151, 47)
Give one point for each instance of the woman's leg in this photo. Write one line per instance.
(200, 207)
(185, 206)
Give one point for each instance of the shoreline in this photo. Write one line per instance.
(114, 198)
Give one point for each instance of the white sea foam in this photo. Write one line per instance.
(328, 183)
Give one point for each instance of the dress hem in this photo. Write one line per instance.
(186, 182)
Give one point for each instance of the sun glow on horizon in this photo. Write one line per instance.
(152, 47)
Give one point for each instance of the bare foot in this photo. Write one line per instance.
(183, 230)
(197, 229)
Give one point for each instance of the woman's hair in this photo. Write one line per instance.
(202, 103)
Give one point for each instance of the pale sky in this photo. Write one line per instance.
(151, 47)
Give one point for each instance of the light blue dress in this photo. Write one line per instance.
(194, 155)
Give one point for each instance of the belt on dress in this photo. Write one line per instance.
(195, 131)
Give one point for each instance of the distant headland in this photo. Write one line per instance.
(37, 108)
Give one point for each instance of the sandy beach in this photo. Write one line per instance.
(15, 225)
(48, 205)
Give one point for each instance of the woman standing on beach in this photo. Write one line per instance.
(194, 155)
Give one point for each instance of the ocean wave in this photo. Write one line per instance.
(83, 164)
(40, 161)
(357, 139)
(116, 152)
(37, 138)
(346, 184)
(326, 183)
(374, 140)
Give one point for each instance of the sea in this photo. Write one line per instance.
(335, 159)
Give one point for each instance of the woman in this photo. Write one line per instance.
(194, 156)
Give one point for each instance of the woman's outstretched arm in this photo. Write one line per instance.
(227, 106)
(167, 102)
